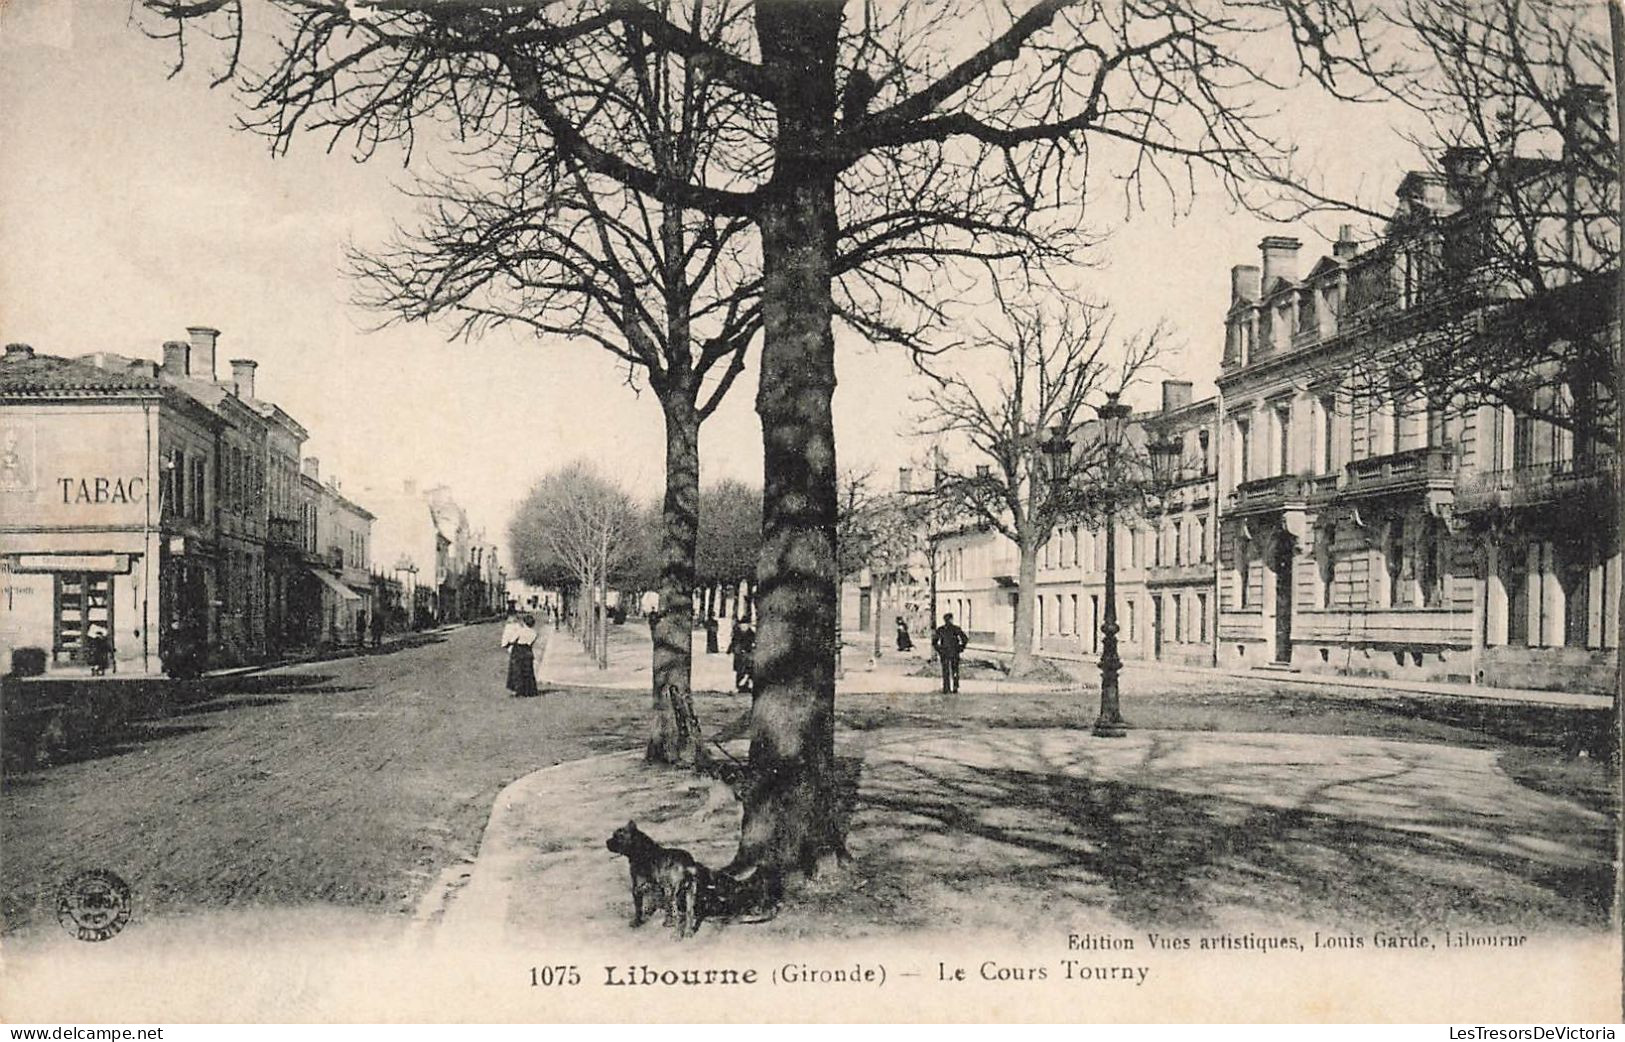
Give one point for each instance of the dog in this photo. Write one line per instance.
(662, 877)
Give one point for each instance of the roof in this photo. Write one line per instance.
(49, 375)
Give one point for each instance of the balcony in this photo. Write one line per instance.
(1561, 481)
(1323, 488)
(284, 531)
(1430, 469)
(1184, 574)
(1264, 495)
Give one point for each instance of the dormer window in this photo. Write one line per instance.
(1308, 320)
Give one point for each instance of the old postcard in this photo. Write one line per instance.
(809, 510)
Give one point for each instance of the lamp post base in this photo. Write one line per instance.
(1110, 729)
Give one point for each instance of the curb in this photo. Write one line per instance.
(478, 898)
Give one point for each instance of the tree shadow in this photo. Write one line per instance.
(1151, 856)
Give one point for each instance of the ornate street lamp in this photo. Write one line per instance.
(1113, 426)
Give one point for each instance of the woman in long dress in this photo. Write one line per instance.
(519, 637)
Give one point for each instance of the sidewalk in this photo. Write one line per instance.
(566, 664)
(1084, 667)
(1017, 831)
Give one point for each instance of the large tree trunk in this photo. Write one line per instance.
(1026, 593)
(790, 819)
(675, 732)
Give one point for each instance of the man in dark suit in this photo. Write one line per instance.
(949, 642)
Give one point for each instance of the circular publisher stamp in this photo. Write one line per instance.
(93, 905)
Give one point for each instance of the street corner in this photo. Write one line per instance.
(548, 835)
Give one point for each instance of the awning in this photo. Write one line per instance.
(343, 591)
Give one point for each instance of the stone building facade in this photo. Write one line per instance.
(156, 502)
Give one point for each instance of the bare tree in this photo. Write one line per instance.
(577, 518)
(1055, 362)
(1498, 284)
(881, 532)
(971, 127)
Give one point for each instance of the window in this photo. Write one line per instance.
(1202, 548)
(1179, 542)
(1575, 578)
(1094, 622)
(1128, 618)
(1243, 575)
(1074, 615)
(1308, 321)
(175, 478)
(1431, 577)
(1244, 455)
(1327, 463)
(1394, 552)
(1438, 436)
(1283, 438)
(1326, 560)
(200, 477)
(1201, 617)
(1179, 619)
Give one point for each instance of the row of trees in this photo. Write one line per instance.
(671, 181)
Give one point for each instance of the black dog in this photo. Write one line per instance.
(662, 877)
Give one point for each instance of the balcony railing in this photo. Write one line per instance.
(285, 531)
(1266, 494)
(1433, 467)
(1323, 487)
(1537, 484)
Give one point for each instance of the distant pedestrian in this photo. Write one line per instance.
(904, 641)
(361, 629)
(949, 642)
(377, 629)
(743, 648)
(98, 649)
(519, 637)
(710, 635)
(654, 621)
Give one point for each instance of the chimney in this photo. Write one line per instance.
(1280, 258)
(904, 476)
(1243, 283)
(242, 377)
(1345, 246)
(203, 340)
(144, 366)
(1176, 394)
(311, 468)
(1461, 163)
(177, 357)
(18, 352)
(1586, 106)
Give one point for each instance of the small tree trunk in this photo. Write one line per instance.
(878, 588)
(675, 730)
(603, 618)
(1026, 591)
(791, 818)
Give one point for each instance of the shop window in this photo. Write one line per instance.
(83, 600)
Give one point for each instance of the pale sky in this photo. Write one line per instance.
(130, 209)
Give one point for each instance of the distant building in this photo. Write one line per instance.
(1166, 596)
(155, 502)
